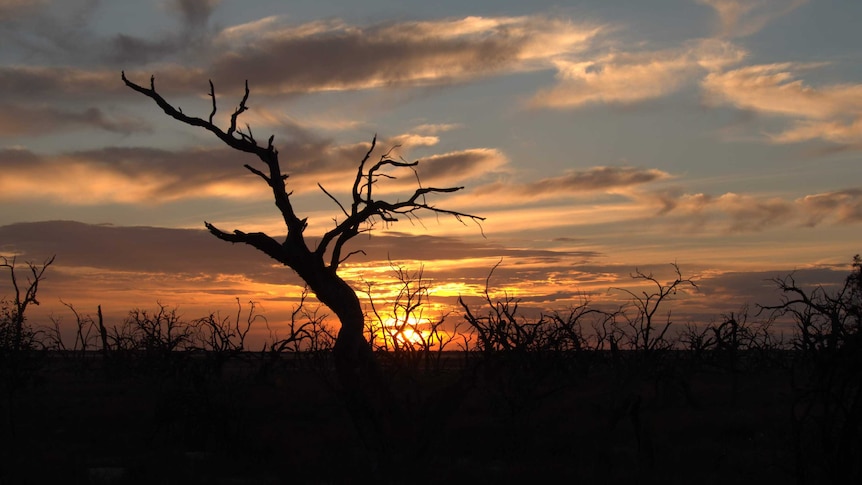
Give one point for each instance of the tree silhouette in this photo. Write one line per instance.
(316, 265)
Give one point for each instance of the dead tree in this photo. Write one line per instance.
(23, 297)
(316, 265)
(647, 333)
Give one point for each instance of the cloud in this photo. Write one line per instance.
(629, 77)
(190, 253)
(844, 206)
(741, 18)
(60, 33)
(126, 267)
(749, 213)
(772, 89)
(380, 247)
(38, 83)
(758, 287)
(574, 183)
(391, 54)
(136, 175)
(12, 8)
(195, 13)
(434, 129)
(386, 54)
(20, 84)
(830, 112)
(56, 32)
(832, 131)
(731, 212)
(124, 175)
(453, 167)
(192, 42)
(130, 249)
(16, 120)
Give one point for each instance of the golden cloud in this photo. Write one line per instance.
(830, 112)
(629, 77)
(399, 54)
(772, 89)
(741, 18)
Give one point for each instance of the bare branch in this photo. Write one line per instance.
(334, 199)
(258, 240)
(238, 111)
(213, 96)
(256, 172)
(351, 253)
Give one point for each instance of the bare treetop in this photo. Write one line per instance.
(359, 215)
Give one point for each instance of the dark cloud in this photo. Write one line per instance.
(18, 157)
(746, 213)
(382, 247)
(11, 10)
(282, 59)
(155, 175)
(760, 287)
(455, 166)
(577, 182)
(844, 206)
(135, 263)
(132, 249)
(124, 174)
(357, 59)
(59, 33)
(333, 55)
(19, 84)
(18, 120)
(124, 49)
(191, 43)
(757, 215)
(191, 251)
(195, 13)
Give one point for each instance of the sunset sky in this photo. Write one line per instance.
(594, 137)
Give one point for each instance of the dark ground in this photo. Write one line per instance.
(586, 419)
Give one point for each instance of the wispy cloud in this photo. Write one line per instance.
(629, 77)
(843, 206)
(19, 83)
(830, 112)
(573, 183)
(737, 213)
(10, 8)
(391, 54)
(772, 89)
(135, 175)
(192, 41)
(457, 166)
(125, 175)
(18, 120)
(848, 133)
(195, 13)
(434, 129)
(741, 18)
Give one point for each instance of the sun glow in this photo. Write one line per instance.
(408, 334)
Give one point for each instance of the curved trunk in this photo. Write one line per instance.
(353, 355)
(363, 390)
